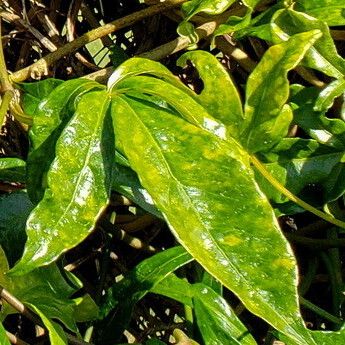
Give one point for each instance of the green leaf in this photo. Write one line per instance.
(126, 182)
(193, 7)
(14, 211)
(52, 115)
(323, 55)
(62, 220)
(56, 333)
(144, 277)
(44, 288)
(183, 105)
(217, 322)
(3, 336)
(176, 288)
(33, 93)
(225, 105)
(234, 24)
(12, 170)
(328, 94)
(330, 132)
(302, 166)
(267, 117)
(140, 66)
(205, 188)
(86, 309)
(330, 11)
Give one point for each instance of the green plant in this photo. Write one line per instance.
(210, 162)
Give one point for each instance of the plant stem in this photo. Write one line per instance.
(20, 307)
(260, 167)
(316, 243)
(41, 66)
(5, 83)
(321, 312)
(5, 104)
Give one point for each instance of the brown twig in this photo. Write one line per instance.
(15, 340)
(20, 307)
(41, 66)
(160, 52)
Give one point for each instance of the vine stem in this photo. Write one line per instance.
(6, 87)
(41, 66)
(260, 167)
(4, 78)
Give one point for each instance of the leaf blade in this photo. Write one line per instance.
(161, 140)
(78, 166)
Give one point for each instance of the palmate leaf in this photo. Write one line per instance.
(222, 219)
(77, 188)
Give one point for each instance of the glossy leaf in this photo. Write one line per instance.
(44, 288)
(144, 277)
(233, 234)
(304, 167)
(56, 334)
(217, 322)
(193, 7)
(85, 309)
(12, 170)
(63, 219)
(323, 55)
(14, 211)
(328, 94)
(33, 93)
(3, 336)
(176, 288)
(329, 11)
(51, 116)
(126, 182)
(267, 117)
(327, 131)
(183, 105)
(225, 105)
(234, 24)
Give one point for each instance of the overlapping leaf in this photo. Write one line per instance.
(198, 193)
(225, 104)
(267, 116)
(135, 286)
(329, 11)
(76, 186)
(304, 167)
(217, 322)
(323, 55)
(14, 211)
(12, 170)
(45, 291)
(50, 117)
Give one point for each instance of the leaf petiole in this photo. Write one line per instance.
(276, 184)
